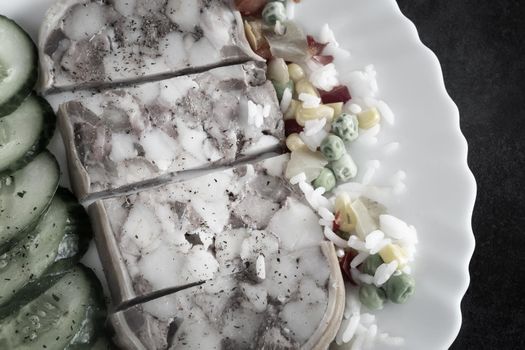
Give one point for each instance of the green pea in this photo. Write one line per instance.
(344, 168)
(280, 87)
(273, 12)
(326, 179)
(371, 296)
(400, 288)
(346, 127)
(333, 148)
(371, 264)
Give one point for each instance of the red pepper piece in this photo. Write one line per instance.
(315, 48)
(265, 52)
(324, 59)
(338, 94)
(337, 222)
(291, 127)
(344, 263)
(250, 7)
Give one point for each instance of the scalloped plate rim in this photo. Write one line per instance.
(30, 20)
(472, 191)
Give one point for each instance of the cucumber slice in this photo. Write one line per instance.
(34, 289)
(25, 133)
(68, 314)
(25, 195)
(77, 232)
(18, 65)
(63, 233)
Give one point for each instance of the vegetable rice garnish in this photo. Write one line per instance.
(323, 117)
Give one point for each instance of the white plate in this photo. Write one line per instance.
(440, 188)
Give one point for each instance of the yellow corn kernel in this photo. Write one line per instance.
(294, 142)
(292, 110)
(369, 118)
(302, 115)
(393, 252)
(303, 86)
(343, 207)
(337, 107)
(296, 72)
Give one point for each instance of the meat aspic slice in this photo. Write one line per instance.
(93, 43)
(271, 277)
(125, 135)
(240, 312)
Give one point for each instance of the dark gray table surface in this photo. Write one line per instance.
(481, 46)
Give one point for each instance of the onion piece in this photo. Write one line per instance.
(324, 59)
(292, 46)
(258, 43)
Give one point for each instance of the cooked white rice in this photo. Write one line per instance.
(309, 101)
(386, 112)
(340, 253)
(359, 259)
(326, 214)
(331, 236)
(286, 101)
(324, 77)
(298, 178)
(326, 35)
(384, 272)
(357, 244)
(354, 108)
